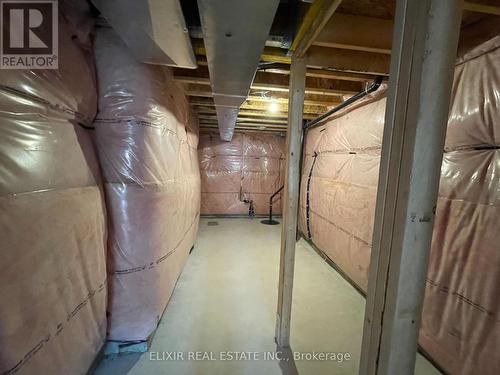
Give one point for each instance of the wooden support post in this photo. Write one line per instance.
(424, 50)
(291, 201)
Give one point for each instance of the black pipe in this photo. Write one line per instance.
(270, 221)
(373, 87)
(308, 197)
(271, 202)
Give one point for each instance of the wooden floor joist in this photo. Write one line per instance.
(257, 106)
(249, 113)
(269, 54)
(246, 119)
(315, 19)
(277, 97)
(204, 128)
(268, 81)
(327, 74)
(481, 8)
(249, 125)
(348, 60)
(357, 33)
(280, 69)
(283, 115)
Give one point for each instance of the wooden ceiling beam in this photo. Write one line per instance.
(348, 60)
(277, 82)
(280, 98)
(345, 60)
(481, 8)
(210, 129)
(327, 74)
(248, 124)
(313, 84)
(255, 113)
(269, 54)
(315, 19)
(356, 33)
(255, 105)
(202, 72)
(245, 119)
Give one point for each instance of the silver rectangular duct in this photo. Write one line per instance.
(234, 33)
(154, 30)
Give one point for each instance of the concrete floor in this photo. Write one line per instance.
(225, 301)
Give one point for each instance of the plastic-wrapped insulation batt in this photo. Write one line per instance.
(339, 184)
(147, 140)
(460, 321)
(52, 218)
(461, 317)
(248, 168)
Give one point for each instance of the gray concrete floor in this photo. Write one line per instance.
(225, 301)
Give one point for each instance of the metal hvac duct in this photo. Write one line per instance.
(234, 33)
(154, 30)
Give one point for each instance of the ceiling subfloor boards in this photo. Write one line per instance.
(347, 44)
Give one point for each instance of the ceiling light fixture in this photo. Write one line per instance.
(273, 106)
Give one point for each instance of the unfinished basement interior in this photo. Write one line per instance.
(250, 187)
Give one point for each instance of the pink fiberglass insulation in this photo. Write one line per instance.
(249, 167)
(146, 138)
(52, 218)
(461, 318)
(460, 322)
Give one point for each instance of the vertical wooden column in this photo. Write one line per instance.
(291, 200)
(422, 62)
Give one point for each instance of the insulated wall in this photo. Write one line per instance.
(461, 318)
(460, 322)
(339, 185)
(248, 168)
(147, 139)
(52, 218)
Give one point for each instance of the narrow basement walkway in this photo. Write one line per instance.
(225, 300)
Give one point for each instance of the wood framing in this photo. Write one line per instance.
(281, 98)
(281, 69)
(357, 33)
(271, 54)
(482, 8)
(268, 81)
(348, 60)
(290, 202)
(315, 19)
(328, 74)
(424, 50)
(310, 109)
(257, 114)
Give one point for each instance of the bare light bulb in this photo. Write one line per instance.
(273, 107)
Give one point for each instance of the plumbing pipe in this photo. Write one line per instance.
(373, 87)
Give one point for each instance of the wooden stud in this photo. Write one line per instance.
(290, 201)
(424, 50)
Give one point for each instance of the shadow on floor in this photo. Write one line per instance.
(123, 363)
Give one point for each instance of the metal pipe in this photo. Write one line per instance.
(270, 221)
(308, 196)
(276, 193)
(373, 87)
